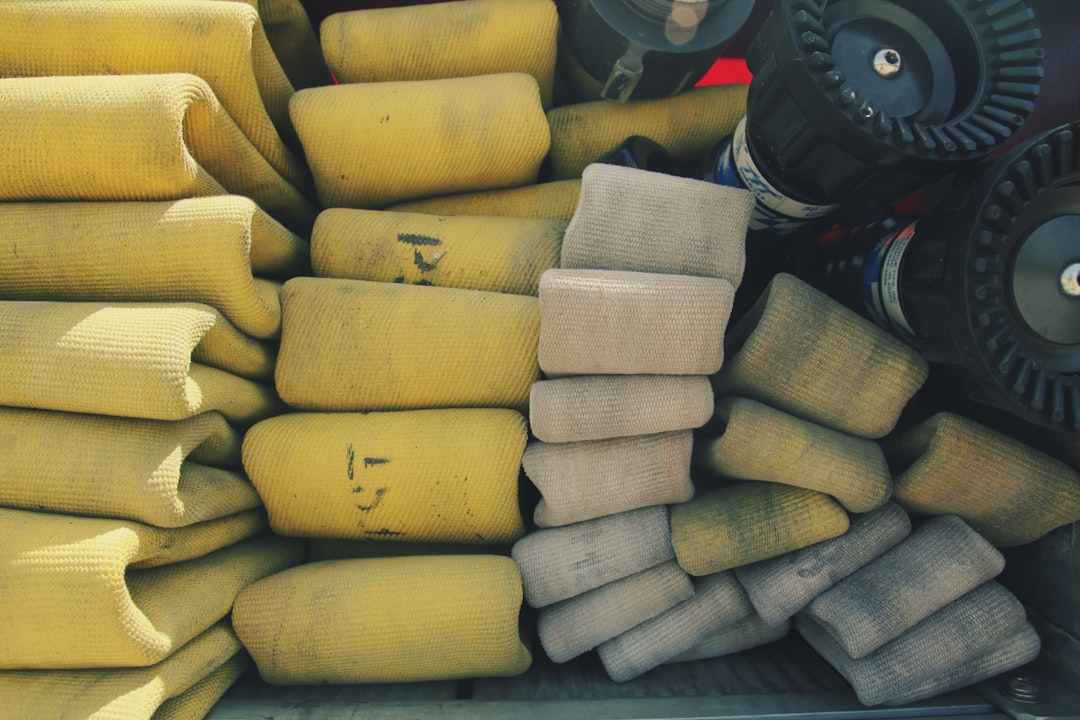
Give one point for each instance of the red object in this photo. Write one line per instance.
(727, 71)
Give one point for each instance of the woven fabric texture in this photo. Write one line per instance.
(415, 475)
(718, 601)
(444, 40)
(385, 620)
(964, 630)
(1011, 493)
(598, 407)
(559, 563)
(495, 254)
(782, 586)
(198, 700)
(745, 634)
(223, 43)
(744, 523)
(575, 626)
(938, 562)
(290, 34)
(359, 345)
(123, 693)
(632, 219)
(131, 360)
(688, 125)
(373, 144)
(140, 137)
(556, 200)
(87, 592)
(757, 442)
(585, 480)
(612, 322)
(143, 470)
(801, 352)
(195, 250)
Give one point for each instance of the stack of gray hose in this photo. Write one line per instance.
(632, 325)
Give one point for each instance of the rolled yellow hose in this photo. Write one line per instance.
(544, 200)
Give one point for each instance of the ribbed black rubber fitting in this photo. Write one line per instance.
(987, 283)
(870, 99)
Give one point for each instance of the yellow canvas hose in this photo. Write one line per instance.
(442, 40)
(544, 200)
(374, 144)
(166, 474)
(177, 687)
(495, 254)
(88, 592)
(687, 125)
(204, 250)
(385, 620)
(359, 345)
(133, 137)
(129, 360)
(289, 32)
(415, 475)
(222, 43)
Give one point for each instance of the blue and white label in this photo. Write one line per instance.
(881, 282)
(773, 210)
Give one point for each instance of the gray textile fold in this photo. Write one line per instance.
(718, 601)
(633, 219)
(976, 633)
(597, 407)
(743, 635)
(613, 322)
(575, 626)
(781, 586)
(559, 563)
(937, 563)
(585, 480)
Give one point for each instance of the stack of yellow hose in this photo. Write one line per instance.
(154, 201)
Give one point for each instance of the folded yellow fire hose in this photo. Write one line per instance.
(91, 592)
(205, 250)
(359, 345)
(756, 442)
(183, 685)
(414, 475)
(496, 254)
(687, 125)
(132, 137)
(222, 43)
(153, 361)
(444, 40)
(290, 34)
(1011, 493)
(544, 200)
(420, 138)
(799, 351)
(162, 473)
(385, 620)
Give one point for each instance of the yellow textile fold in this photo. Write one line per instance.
(756, 442)
(222, 43)
(131, 360)
(471, 252)
(209, 662)
(444, 40)
(800, 351)
(385, 620)
(292, 38)
(166, 474)
(415, 475)
(687, 125)
(374, 144)
(132, 137)
(741, 524)
(556, 200)
(203, 250)
(339, 549)
(359, 345)
(1010, 493)
(88, 592)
